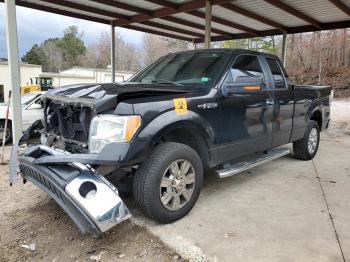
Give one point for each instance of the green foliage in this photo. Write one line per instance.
(239, 43)
(72, 45)
(65, 51)
(33, 56)
(263, 44)
(267, 45)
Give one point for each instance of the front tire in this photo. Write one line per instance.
(306, 148)
(167, 185)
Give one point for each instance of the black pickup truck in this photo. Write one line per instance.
(221, 109)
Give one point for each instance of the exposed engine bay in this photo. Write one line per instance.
(67, 126)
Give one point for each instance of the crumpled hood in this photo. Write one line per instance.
(98, 95)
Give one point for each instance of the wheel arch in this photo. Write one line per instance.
(189, 129)
(317, 116)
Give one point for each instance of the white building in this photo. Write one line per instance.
(75, 75)
(27, 71)
(79, 75)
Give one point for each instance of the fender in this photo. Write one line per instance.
(170, 120)
(316, 105)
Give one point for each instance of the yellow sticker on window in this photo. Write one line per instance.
(180, 105)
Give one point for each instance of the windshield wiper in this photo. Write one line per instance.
(164, 81)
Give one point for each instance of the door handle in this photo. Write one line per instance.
(270, 102)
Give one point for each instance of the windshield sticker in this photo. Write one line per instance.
(205, 79)
(180, 105)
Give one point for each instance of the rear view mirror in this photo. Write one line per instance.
(244, 85)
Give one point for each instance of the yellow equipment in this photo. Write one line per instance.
(41, 84)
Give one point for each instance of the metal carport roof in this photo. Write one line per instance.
(185, 19)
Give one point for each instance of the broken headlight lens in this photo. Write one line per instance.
(105, 129)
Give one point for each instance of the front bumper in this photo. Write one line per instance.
(88, 198)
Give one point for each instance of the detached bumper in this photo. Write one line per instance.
(89, 199)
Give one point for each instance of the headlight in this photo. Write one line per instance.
(105, 129)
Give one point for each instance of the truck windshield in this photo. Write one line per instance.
(190, 68)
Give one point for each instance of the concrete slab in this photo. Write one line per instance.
(333, 167)
(275, 212)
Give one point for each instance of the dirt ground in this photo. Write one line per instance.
(29, 216)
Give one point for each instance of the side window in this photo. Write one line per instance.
(277, 74)
(245, 65)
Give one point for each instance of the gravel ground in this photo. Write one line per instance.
(29, 216)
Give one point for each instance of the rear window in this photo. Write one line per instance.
(277, 74)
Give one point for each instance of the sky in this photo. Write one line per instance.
(33, 27)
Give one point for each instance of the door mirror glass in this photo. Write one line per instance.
(244, 84)
(245, 76)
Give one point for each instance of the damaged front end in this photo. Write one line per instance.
(58, 162)
(88, 198)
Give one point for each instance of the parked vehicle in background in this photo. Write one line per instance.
(186, 113)
(41, 84)
(32, 109)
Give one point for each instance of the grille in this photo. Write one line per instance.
(71, 122)
(36, 178)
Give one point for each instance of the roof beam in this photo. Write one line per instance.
(86, 8)
(171, 28)
(291, 30)
(341, 6)
(164, 3)
(295, 12)
(155, 32)
(194, 25)
(122, 17)
(224, 22)
(166, 11)
(254, 16)
(61, 12)
(124, 6)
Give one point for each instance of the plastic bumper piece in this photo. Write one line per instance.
(88, 198)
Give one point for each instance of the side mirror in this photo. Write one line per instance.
(244, 85)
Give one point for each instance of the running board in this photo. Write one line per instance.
(245, 165)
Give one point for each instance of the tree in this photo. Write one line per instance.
(33, 56)
(53, 60)
(72, 46)
(240, 43)
(154, 46)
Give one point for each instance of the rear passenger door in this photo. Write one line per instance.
(283, 101)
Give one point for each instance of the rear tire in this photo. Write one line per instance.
(9, 131)
(306, 148)
(167, 185)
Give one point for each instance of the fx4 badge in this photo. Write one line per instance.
(208, 105)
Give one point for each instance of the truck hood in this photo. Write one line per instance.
(103, 96)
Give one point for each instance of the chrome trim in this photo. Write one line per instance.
(313, 139)
(177, 185)
(103, 205)
(243, 166)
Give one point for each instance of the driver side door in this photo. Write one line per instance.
(246, 112)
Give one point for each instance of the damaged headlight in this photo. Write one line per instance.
(105, 129)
